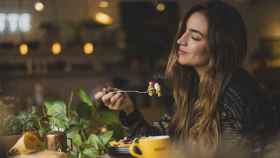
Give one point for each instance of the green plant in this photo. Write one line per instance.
(24, 121)
(87, 140)
(56, 114)
(89, 146)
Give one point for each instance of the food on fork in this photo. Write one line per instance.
(151, 89)
(157, 88)
(154, 89)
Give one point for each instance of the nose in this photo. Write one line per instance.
(182, 40)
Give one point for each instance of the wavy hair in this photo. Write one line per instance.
(197, 111)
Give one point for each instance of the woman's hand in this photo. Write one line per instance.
(115, 100)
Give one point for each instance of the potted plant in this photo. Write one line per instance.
(67, 129)
(15, 125)
(87, 139)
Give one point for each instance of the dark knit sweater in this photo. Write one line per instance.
(243, 107)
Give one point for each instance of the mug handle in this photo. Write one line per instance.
(132, 151)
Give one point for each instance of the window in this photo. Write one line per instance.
(15, 22)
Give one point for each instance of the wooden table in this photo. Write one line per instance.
(51, 154)
(44, 154)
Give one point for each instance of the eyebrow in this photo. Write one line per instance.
(196, 31)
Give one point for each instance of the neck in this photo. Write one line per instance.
(201, 71)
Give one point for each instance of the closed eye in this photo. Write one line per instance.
(196, 37)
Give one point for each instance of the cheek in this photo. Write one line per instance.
(200, 52)
(198, 55)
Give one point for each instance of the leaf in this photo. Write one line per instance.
(55, 108)
(72, 155)
(76, 138)
(22, 122)
(119, 131)
(84, 123)
(90, 152)
(14, 125)
(42, 131)
(94, 141)
(79, 124)
(108, 117)
(85, 97)
(84, 111)
(106, 137)
(58, 123)
(33, 110)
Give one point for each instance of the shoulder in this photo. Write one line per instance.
(242, 80)
(243, 99)
(243, 86)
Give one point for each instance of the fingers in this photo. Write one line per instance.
(111, 99)
(99, 95)
(115, 97)
(107, 98)
(118, 104)
(114, 101)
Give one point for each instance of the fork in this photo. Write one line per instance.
(131, 91)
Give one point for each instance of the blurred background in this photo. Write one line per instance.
(50, 47)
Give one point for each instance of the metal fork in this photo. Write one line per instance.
(131, 91)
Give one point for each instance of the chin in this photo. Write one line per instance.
(184, 63)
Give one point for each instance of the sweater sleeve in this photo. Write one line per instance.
(241, 118)
(138, 126)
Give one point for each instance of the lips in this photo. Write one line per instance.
(181, 52)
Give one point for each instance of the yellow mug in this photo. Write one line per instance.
(151, 147)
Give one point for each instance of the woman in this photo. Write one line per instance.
(216, 101)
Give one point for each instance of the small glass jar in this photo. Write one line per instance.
(57, 141)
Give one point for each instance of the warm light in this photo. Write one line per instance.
(274, 63)
(23, 49)
(39, 6)
(272, 29)
(103, 4)
(88, 48)
(103, 129)
(56, 48)
(161, 7)
(103, 18)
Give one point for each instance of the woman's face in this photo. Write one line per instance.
(192, 44)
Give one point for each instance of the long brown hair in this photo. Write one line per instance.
(197, 110)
